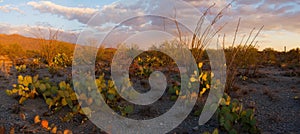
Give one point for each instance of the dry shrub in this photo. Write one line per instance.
(241, 59)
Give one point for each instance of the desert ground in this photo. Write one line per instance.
(273, 93)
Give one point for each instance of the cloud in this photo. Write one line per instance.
(283, 17)
(219, 4)
(9, 8)
(279, 18)
(113, 13)
(117, 12)
(280, 14)
(71, 13)
(275, 15)
(247, 2)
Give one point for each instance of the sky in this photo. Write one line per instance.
(280, 18)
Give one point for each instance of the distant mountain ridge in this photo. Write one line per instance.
(27, 43)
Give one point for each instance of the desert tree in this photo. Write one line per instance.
(49, 45)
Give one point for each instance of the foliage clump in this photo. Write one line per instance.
(234, 119)
(60, 95)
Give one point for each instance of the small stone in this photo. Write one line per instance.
(196, 128)
(251, 104)
(2, 130)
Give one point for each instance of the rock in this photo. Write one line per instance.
(12, 130)
(251, 104)
(196, 128)
(2, 130)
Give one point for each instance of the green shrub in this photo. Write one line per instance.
(21, 68)
(62, 94)
(233, 119)
(62, 60)
(26, 88)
